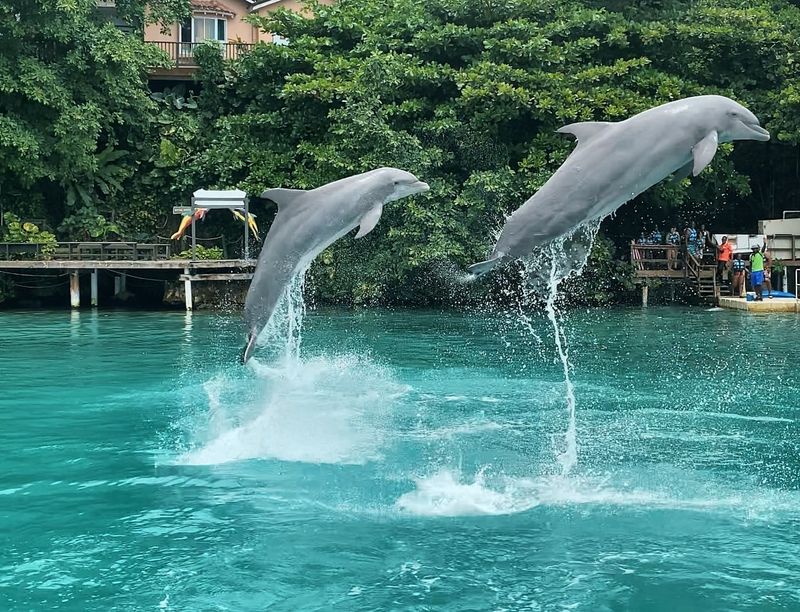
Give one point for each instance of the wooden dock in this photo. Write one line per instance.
(675, 266)
(765, 306)
(122, 260)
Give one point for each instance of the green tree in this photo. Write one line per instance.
(468, 95)
(75, 111)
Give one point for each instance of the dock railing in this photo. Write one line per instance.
(656, 260)
(86, 251)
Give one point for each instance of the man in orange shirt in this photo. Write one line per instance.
(724, 256)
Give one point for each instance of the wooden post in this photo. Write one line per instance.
(74, 289)
(94, 288)
(644, 296)
(187, 290)
(246, 229)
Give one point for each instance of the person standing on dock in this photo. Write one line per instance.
(757, 272)
(655, 240)
(739, 267)
(690, 234)
(673, 242)
(703, 242)
(767, 270)
(724, 254)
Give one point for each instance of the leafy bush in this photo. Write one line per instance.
(201, 253)
(17, 231)
(87, 223)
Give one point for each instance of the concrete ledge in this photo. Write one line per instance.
(773, 305)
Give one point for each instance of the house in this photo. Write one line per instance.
(218, 20)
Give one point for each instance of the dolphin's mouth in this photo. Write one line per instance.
(421, 187)
(758, 132)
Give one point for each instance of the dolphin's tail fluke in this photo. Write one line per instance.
(482, 267)
(247, 351)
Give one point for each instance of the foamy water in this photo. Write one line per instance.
(403, 461)
(450, 493)
(319, 410)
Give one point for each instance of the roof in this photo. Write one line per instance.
(258, 4)
(211, 6)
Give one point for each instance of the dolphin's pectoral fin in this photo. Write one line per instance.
(703, 152)
(585, 130)
(370, 220)
(482, 267)
(683, 172)
(283, 197)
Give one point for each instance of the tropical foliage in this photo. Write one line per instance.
(76, 118)
(465, 94)
(17, 231)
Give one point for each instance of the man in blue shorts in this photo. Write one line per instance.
(757, 272)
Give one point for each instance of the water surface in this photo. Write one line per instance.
(407, 462)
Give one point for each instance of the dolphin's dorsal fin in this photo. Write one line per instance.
(585, 130)
(283, 197)
(703, 152)
(370, 220)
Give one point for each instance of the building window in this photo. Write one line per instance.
(209, 28)
(204, 28)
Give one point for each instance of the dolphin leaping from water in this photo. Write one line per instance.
(615, 162)
(310, 221)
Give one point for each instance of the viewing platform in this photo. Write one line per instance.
(40, 269)
(765, 306)
(676, 266)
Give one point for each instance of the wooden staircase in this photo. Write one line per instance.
(706, 281)
(651, 262)
(704, 276)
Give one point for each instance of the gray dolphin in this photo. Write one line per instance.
(310, 221)
(615, 162)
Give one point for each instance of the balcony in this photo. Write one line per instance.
(181, 55)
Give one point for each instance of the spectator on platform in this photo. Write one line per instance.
(739, 266)
(724, 254)
(655, 239)
(703, 242)
(655, 236)
(673, 242)
(757, 272)
(767, 270)
(690, 235)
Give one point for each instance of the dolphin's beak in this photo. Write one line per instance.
(421, 187)
(758, 132)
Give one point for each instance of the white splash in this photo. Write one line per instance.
(283, 333)
(444, 494)
(560, 259)
(318, 410)
(447, 493)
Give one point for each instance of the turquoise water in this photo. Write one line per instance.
(407, 462)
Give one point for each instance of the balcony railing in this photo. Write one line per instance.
(182, 54)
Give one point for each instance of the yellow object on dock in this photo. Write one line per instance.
(768, 305)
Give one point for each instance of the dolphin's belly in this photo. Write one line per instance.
(286, 253)
(591, 184)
